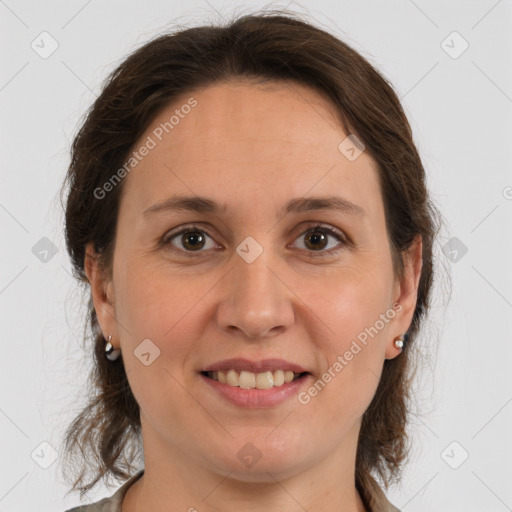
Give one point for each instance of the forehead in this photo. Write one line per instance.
(275, 115)
(277, 138)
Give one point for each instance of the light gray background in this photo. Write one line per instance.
(461, 112)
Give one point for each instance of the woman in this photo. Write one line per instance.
(249, 210)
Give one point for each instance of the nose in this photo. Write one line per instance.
(256, 302)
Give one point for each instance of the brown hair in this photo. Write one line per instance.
(274, 45)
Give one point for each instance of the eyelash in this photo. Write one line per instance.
(315, 227)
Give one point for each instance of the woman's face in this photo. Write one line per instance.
(254, 278)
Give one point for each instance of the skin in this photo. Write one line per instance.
(253, 147)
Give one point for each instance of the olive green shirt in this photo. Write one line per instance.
(373, 498)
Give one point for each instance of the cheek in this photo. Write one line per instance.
(358, 311)
(154, 304)
(343, 401)
(354, 301)
(166, 312)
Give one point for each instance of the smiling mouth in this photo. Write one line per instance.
(249, 380)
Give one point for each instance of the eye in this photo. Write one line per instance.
(190, 239)
(317, 239)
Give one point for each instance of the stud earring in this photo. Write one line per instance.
(111, 353)
(399, 343)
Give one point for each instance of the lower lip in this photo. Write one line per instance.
(257, 398)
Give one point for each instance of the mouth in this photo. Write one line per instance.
(255, 384)
(250, 380)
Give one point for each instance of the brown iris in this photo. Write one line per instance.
(315, 237)
(193, 240)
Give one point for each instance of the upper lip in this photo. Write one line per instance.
(263, 365)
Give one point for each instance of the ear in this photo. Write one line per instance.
(406, 294)
(102, 295)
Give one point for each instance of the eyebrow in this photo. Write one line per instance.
(201, 204)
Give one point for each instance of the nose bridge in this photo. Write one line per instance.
(256, 302)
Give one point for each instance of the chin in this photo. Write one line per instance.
(260, 460)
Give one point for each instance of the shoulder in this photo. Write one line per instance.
(104, 505)
(112, 503)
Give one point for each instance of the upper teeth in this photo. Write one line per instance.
(250, 380)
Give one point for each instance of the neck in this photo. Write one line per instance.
(325, 486)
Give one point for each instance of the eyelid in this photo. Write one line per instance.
(311, 225)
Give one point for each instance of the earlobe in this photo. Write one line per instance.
(102, 293)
